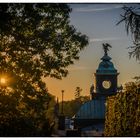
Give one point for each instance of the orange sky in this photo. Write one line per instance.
(98, 22)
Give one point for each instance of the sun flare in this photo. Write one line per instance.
(3, 80)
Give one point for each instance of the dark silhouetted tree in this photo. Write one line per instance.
(71, 107)
(36, 41)
(77, 93)
(131, 17)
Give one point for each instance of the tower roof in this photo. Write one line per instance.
(106, 66)
(94, 109)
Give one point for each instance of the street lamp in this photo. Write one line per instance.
(61, 122)
(62, 101)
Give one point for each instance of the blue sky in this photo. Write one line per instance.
(98, 22)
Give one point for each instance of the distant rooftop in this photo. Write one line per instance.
(94, 109)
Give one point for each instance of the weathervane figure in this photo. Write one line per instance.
(106, 47)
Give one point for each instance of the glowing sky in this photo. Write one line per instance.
(98, 22)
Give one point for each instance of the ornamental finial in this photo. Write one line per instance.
(106, 47)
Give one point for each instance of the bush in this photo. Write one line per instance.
(123, 111)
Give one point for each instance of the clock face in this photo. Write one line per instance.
(106, 84)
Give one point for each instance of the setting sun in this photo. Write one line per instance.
(2, 80)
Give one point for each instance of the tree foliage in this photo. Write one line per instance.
(36, 40)
(123, 111)
(71, 107)
(77, 93)
(131, 17)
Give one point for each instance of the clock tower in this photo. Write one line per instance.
(92, 113)
(105, 83)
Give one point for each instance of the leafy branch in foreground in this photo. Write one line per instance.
(131, 17)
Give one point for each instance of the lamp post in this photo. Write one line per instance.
(61, 122)
(62, 101)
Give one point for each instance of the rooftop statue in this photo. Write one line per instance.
(106, 47)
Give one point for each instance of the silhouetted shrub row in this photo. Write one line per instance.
(123, 112)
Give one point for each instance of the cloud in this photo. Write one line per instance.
(104, 39)
(93, 9)
(73, 68)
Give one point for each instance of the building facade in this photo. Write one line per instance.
(92, 113)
